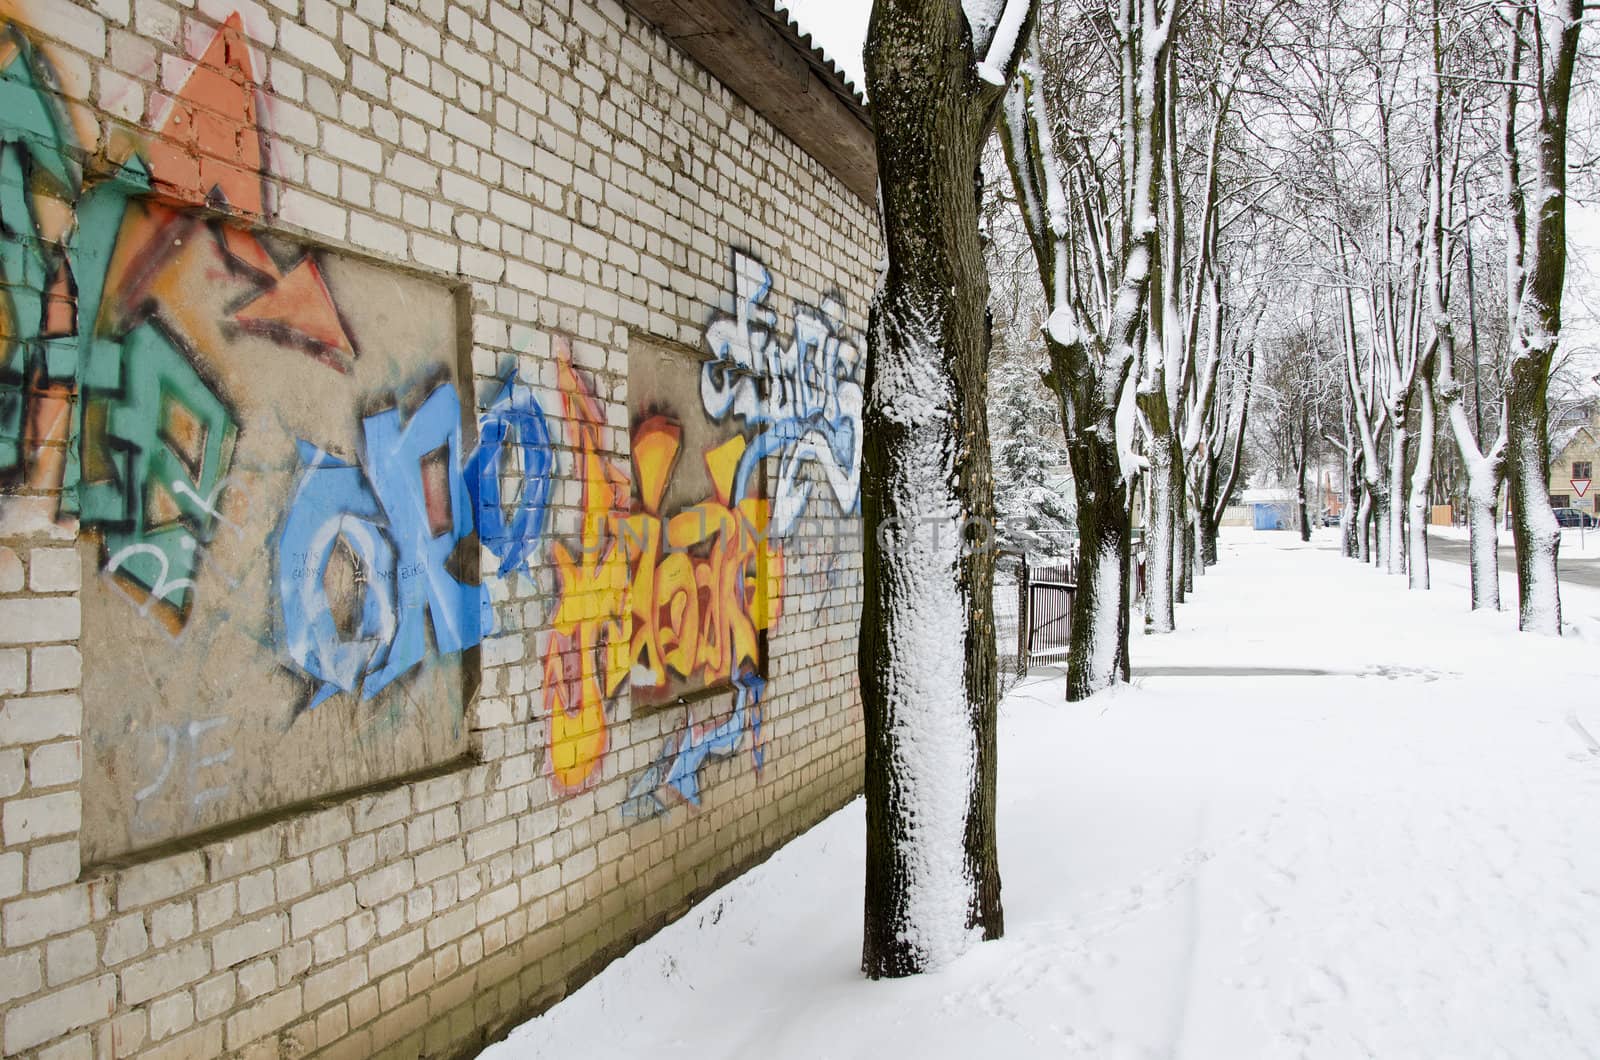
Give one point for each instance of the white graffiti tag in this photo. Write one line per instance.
(805, 396)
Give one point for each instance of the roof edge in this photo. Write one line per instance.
(772, 65)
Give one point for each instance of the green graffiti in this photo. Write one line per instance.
(150, 443)
(89, 249)
(155, 447)
(36, 142)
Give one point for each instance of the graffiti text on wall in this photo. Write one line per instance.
(402, 519)
(803, 401)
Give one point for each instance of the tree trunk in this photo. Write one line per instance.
(1364, 535)
(927, 652)
(1300, 485)
(1348, 531)
(1421, 477)
(1533, 524)
(1098, 652)
(1186, 540)
(1208, 539)
(1158, 593)
(1484, 547)
(1394, 545)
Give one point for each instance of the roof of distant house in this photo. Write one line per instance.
(1565, 436)
(759, 52)
(1266, 495)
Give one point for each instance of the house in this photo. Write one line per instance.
(1574, 453)
(355, 357)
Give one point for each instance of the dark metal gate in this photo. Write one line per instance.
(1047, 612)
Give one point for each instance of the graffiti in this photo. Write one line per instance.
(804, 400)
(183, 741)
(208, 151)
(514, 421)
(226, 415)
(586, 652)
(702, 579)
(400, 520)
(669, 588)
(674, 777)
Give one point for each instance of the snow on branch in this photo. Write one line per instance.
(1001, 36)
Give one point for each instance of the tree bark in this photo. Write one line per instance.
(1098, 656)
(1421, 476)
(1158, 592)
(932, 874)
(1555, 28)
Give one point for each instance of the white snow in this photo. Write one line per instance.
(1063, 325)
(1396, 858)
(927, 709)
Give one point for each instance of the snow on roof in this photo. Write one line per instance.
(1565, 436)
(832, 32)
(1265, 495)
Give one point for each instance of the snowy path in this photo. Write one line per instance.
(1398, 859)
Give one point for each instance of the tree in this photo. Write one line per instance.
(936, 72)
(1093, 228)
(1031, 515)
(1484, 468)
(1543, 34)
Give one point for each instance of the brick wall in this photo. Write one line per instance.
(566, 195)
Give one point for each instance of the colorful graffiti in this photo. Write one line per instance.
(674, 777)
(101, 399)
(264, 447)
(402, 519)
(803, 401)
(586, 652)
(671, 598)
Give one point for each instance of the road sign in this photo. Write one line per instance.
(1580, 486)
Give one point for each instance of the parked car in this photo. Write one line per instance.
(1330, 518)
(1570, 517)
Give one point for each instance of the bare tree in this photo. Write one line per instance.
(1093, 228)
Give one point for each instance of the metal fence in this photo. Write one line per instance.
(1009, 579)
(1032, 614)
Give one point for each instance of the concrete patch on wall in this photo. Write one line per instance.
(281, 565)
(265, 448)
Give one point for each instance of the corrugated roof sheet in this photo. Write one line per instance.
(815, 53)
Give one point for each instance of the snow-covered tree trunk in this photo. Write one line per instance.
(1184, 540)
(1483, 531)
(1417, 503)
(1302, 453)
(1555, 25)
(1533, 524)
(927, 653)
(1159, 532)
(1394, 543)
(1364, 522)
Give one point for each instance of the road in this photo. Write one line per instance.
(1573, 571)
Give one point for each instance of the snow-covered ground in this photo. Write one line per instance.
(1333, 818)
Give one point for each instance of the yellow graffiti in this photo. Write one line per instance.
(592, 616)
(648, 596)
(697, 609)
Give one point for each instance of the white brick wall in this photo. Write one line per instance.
(585, 179)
